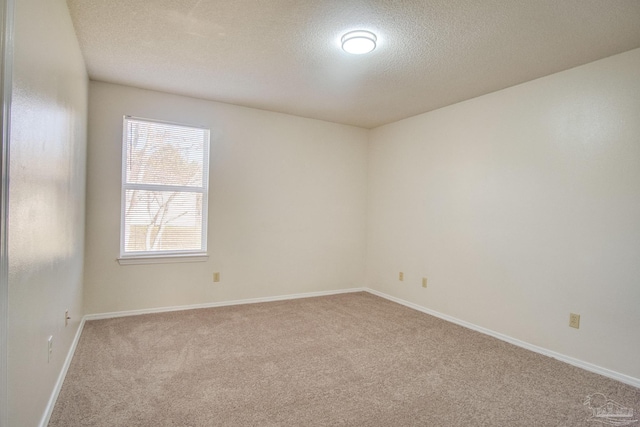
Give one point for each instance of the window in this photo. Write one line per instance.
(165, 169)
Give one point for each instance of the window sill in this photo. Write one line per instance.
(162, 259)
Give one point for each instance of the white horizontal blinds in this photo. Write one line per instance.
(164, 188)
(164, 154)
(163, 221)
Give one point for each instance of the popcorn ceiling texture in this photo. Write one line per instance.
(284, 55)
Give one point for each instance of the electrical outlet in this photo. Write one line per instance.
(424, 282)
(216, 277)
(401, 276)
(574, 320)
(66, 318)
(49, 348)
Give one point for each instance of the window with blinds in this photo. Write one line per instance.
(165, 168)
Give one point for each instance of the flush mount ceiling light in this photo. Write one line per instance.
(359, 42)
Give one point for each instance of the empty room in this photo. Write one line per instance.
(320, 213)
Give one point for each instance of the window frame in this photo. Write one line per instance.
(164, 256)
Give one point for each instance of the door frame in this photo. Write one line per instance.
(6, 52)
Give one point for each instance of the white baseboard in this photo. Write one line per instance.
(570, 360)
(63, 373)
(111, 315)
(635, 382)
(65, 367)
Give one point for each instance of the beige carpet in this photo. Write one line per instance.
(343, 360)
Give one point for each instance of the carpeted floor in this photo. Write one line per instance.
(343, 360)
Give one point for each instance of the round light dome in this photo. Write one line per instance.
(359, 42)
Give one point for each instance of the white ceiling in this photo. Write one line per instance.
(284, 55)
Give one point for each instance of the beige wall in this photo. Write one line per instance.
(520, 206)
(46, 202)
(286, 205)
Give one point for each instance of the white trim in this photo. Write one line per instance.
(6, 85)
(162, 259)
(203, 189)
(205, 194)
(563, 358)
(65, 368)
(99, 316)
(111, 315)
(63, 373)
(166, 122)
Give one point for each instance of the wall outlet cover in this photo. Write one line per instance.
(49, 348)
(574, 320)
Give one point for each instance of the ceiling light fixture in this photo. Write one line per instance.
(359, 42)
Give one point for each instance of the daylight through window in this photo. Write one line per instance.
(164, 188)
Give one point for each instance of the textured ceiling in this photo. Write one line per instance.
(284, 55)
